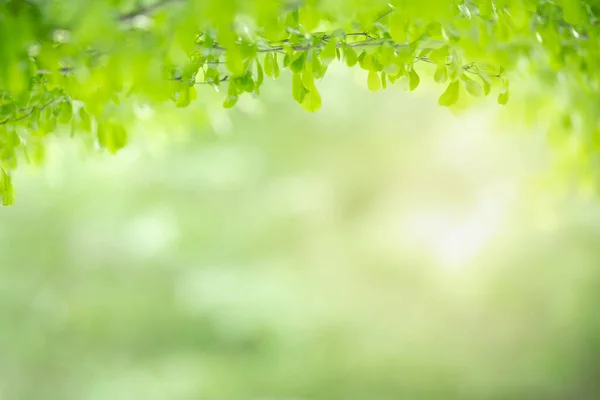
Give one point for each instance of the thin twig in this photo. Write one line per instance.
(223, 79)
(63, 70)
(385, 14)
(359, 44)
(22, 117)
(145, 10)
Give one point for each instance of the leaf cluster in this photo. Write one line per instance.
(78, 65)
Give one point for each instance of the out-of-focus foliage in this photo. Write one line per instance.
(332, 258)
(83, 66)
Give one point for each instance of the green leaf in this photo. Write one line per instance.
(111, 136)
(298, 89)
(318, 67)
(230, 101)
(373, 81)
(383, 81)
(503, 98)
(312, 100)
(365, 61)
(572, 11)
(439, 56)
(450, 95)
(211, 75)
(441, 74)
(186, 95)
(473, 87)
(287, 59)
(308, 79)
(391, 69)
(455, 68)
(350, 56)
(66, 112)
(487, 84)
(21, 100)
(298, 63)
(86, 122)
(328, 53)
(47, 120)
(34, 119)
(235, 62)
(259, 73)
(413, 79)
(7, 194)
(269, 65)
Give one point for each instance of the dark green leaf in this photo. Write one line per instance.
(297, 64)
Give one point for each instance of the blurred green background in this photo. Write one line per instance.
(381, 248)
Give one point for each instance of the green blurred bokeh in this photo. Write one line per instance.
(378, 249)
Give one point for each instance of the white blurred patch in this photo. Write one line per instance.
(220, 120)
(150, 234)
(455, 237)
(142, 22)
(143, 111)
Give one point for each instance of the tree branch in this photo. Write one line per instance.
(145, 10)
(22, 117)
(385, 14)
(363, 43)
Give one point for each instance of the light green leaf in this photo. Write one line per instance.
(7, 194)
(184, 98)
(66, 112)
(298, 89)
(230, 101)
(455, 68)
(111, 136)
(350, 56)
(308, 79)
(259, 73)
(572, 11)
(86, 122)
(473, 87)
(486, 82)
(365, 61)
(413, 79)
(312, 100)
(503, 98)
(450, 95)
(318, 67)
(235, 62)
(441, 74)
(373, 81)
(328, 52)
(269, 65)
(439, 56)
